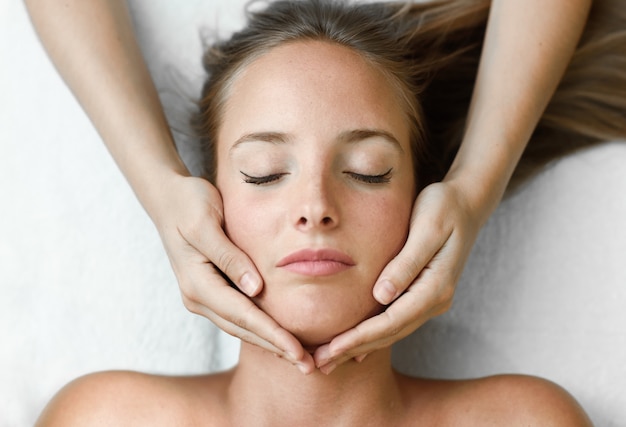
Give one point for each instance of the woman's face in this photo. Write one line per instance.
(315, 171)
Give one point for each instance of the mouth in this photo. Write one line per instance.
(316, 262)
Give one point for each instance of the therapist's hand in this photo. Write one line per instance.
(420, 281)
(190, 223)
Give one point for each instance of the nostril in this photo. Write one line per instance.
(307, 222)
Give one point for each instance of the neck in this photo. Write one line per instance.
(266, 390)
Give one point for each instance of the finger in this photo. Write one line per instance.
(423, 242)
(370, 335)
(330, 367)
(424, 299)
(360, 358)
(305, 364)
(237, 315)
(233, 262)
(304, 361)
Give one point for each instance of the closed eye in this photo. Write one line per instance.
(261, 180)
(383, 178)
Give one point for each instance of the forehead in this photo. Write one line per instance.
(300, 85)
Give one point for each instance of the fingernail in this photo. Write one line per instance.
(385, 292)
(322, 356)
(319, 362)
(303, 368)
(327, 369)
(248, 284)
(360, 358)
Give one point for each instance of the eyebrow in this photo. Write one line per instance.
(358, 135)
(351, 136)
(271, 137)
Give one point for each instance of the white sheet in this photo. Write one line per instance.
(85, 284)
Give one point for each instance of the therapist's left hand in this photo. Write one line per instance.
(420, 281)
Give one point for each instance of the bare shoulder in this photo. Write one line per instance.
(526, 400)
(123, 398)
(511, 400)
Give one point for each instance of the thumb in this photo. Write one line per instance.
(421, 246)
(230, 260)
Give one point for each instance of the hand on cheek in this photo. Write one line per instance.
(419, 283)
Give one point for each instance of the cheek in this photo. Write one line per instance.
(251, 224)
(244, 226)
(386, 225)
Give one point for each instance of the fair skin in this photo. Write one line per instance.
(350, 163)
(93, 42)
(313, 189)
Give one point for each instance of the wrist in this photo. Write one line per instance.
(156, 186)
(480, 190)
(483, 167)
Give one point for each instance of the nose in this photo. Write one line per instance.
(315, 205)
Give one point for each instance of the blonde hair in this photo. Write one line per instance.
(429, 53)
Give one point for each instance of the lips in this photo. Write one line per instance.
(316, 262)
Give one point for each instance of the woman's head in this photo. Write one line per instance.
(316, 176)
(314, 133)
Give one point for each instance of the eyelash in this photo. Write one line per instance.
(383, 178)
(260, 180)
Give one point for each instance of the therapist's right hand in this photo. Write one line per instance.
(190, 223)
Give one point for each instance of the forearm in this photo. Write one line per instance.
(527, 48)
(93, 46)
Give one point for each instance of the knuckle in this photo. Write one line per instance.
(444, 300)
(194, 227)
(446, 295)
(408, 269)
(444, 307)
(394, 326)
(190, 304)
(243, 319)
(225, 261)
(435, 226)
(190, 296)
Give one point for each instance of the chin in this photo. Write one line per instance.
(315, 316)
